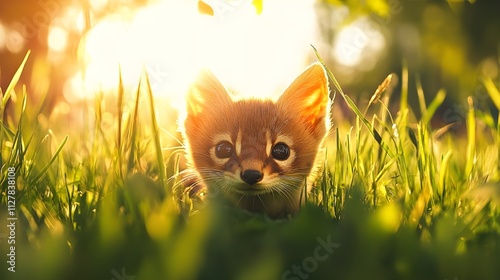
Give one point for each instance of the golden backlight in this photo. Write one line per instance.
(258, 54)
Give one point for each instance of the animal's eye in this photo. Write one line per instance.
(224, 149)
(280, 151)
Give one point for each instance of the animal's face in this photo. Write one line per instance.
(257, 149)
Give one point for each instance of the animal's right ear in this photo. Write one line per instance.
(205, 93)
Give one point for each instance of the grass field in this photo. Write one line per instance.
(398, 199)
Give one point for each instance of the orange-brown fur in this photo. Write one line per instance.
(299, 119)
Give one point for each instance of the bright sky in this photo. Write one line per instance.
(255, 54)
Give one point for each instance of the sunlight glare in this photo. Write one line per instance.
(104, 52)
(261, 53)
(57, 39)
(98, 5)
(73, 89)
(257, 54)
(72, 19)
(359, 44)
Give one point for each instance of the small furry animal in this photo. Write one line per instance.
(258, 154)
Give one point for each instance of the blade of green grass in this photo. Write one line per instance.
(443, 173)
(498, 141)
(492, 91)
(6, 95)
(471, 139)
(133, 137)
(421, 95)
(18, 151)
(436, 102)
(35, 179)
(385, 169)
(120, 120)
(13, 83)
(353, 107)
(156, 134)
(404, 88)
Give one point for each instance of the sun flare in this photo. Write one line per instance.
(256, 53)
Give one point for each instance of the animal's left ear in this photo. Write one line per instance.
(205, 94)
(308, 97)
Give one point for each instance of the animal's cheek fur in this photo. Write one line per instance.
(199, 145)
(230, 166)
(305, 158)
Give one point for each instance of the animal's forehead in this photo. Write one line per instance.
(256, 116)
(252, 107)
(256, 131)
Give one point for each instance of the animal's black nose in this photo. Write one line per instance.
(251, 176)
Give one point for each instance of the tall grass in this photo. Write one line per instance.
(400, 198)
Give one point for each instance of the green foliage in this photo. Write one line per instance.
(396, 200)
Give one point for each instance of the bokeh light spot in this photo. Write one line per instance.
(57, 39)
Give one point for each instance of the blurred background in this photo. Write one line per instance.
(108, 217)
(257, 47)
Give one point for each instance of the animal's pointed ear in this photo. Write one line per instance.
(205, 93)
(308, 97)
